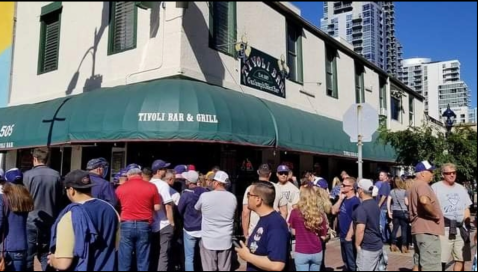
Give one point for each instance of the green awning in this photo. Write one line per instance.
(178, 110)
(170, 110)
(27, 126)
(303, 131)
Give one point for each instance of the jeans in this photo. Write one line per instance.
(348, 254)
(38, 245)
(308, 262)
(15, 260)
(190, 243)
(135, 237)
(384, 229)
(400, 220)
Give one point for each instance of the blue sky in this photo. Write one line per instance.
(436, 30)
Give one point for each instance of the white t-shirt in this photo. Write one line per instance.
(160, 220)
(175, 196)
(218, 209)
(279, 201)
(291, 194)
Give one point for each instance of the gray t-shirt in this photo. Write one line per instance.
(218, 209)
(398, 199)
(453, 200)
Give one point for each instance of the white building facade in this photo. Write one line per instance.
(440, 83)
(86, 47)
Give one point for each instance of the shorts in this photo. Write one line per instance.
(451, 248)
(427, 252)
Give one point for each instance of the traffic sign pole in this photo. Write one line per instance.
(359, 142)
(360, 122)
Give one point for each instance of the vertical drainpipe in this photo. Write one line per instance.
(15, 7)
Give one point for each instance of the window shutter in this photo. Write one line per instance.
(52, 42)
(223, 26)
(123, 26)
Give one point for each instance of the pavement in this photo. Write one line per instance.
(397, 261)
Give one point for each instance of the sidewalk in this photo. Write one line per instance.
(396, 261)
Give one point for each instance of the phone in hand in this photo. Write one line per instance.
(236, 244)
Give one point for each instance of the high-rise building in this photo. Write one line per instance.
(369, 27)
(472, 116)
(440, 83)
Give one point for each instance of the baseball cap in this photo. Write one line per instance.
(78, 179)
(191, 176)
(14, 175)
(283, 168)
(191, 167)
(121, 173)
(181, 168)
(366, 185)
(131, 166)
(159, 164)
(221, 177)
(322, 183)
(2, 174)
(210, 175)
(264, 168)
(424, 166)
(96, 163)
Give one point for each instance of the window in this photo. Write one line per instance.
(331, 70)
(411, 111)
(395, 108)
(359, 83)
(222, 27)
(123, 27)
(294, 52)
(50, 20)
(383, 93)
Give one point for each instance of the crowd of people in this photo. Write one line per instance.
(162, 218)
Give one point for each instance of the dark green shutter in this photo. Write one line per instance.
(331, 72)
(223, 27)
(123, 26)
(49, 38)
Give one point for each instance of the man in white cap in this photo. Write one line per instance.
(218, 208)
(427, 219)
(191, 217)
(368, 238)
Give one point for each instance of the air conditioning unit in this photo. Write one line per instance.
(383, 111)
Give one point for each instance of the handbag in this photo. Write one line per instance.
(405, 212)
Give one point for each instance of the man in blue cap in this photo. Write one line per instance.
(103, 189)
(84, 237)
(427, 219)
(139, 200)
(163, 224)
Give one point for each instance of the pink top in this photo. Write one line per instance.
(306, 241)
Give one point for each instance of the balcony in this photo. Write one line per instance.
(357, 26)
(358, 47)
(340, 7)
(357, 19)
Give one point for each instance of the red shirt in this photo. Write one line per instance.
(137, 198)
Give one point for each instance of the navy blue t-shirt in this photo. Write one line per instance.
(384, 191)
(270, 238)
(368, 213)
(103, 252)
(345, 214)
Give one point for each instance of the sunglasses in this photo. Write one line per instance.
(283, 173)
(449, 173)
(249, 195)
(344, 185)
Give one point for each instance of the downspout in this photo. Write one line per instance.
(162, 5)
